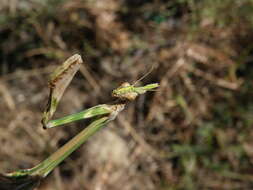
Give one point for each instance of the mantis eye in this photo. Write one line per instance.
(124, 84)
(124, 93)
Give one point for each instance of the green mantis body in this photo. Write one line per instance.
(127, 91)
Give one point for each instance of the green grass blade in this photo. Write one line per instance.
(49, 164)
(88, 113)
(45, 167)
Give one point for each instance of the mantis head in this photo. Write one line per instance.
(125, 92)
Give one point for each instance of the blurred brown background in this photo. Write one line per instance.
(194, 132)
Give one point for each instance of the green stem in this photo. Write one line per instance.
(88, 113)
(45, 167)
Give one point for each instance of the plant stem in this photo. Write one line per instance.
(88, 113)
(45, 167)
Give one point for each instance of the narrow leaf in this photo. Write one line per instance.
(59, 81)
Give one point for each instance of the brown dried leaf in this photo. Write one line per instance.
(59, 81)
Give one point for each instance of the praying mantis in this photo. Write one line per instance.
(28, 179)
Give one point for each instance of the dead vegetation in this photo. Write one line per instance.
(195, 132)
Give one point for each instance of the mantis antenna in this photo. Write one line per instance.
(145, 75)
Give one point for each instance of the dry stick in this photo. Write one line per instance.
(26, 73)
(89, 78)
(217, 81)
(7, 96)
